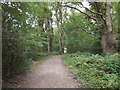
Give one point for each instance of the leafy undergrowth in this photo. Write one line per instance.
(95, 71)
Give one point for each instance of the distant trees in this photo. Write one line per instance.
(59, 22)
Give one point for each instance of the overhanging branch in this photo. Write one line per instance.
(86, 14)
(94, 12)
(81, 12)
(86, 31)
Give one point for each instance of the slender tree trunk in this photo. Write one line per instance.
(61, 29)
(47, 30)
(48, 43)
(60, 45)
(59, 26)
(48, 26)
(49, 37)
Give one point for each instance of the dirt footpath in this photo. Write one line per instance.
(50, 74)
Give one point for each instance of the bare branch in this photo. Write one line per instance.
(94, 12)
(103, 20)
(99, 9)
(91, 10)
(81, 12)
(86, 31)
(86, 14)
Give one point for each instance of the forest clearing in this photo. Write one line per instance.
(60, 44)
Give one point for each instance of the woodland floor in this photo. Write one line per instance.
(50, 74)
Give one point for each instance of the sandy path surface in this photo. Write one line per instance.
(50, 74)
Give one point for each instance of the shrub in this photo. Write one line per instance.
(94, 70)
(14, 58)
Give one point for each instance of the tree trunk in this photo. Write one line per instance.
(107, 38)
(47, 30)
(49, 35)
(48, 43)
(61, 28)
(107, 47)
(60, 45)
(59, 19)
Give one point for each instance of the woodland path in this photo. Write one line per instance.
(50, 74)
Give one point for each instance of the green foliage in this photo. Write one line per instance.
(23, 39)
(14, 57)
(96, 48)
(94, 70)
(75, 37)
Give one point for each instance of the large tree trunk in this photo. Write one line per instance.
(107, 37)
(107, 47)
